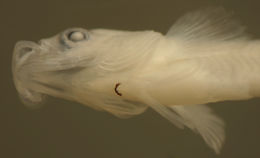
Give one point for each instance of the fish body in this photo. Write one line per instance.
(205, 57)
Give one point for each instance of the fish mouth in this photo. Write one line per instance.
(37, 75)
(21, 76)
(22, 51)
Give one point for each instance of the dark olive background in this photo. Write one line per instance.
(63, 129)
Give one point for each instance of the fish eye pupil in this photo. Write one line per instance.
(76, 36)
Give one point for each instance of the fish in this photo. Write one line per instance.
(206, 57)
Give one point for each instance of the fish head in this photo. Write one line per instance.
(68, 63)
(44, 68)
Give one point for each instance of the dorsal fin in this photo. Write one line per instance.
(208, 24)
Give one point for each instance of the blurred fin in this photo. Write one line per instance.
(208, 24)
(123, 108)
(199, 118)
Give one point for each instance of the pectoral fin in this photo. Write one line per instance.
(199, 118)
(202, 120)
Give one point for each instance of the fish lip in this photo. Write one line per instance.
(24, 43)
(22, 50)
(21, 75)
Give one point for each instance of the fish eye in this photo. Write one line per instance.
(69, 38)
(76, 36)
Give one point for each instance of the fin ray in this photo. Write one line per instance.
(208, 24)
(199, 118)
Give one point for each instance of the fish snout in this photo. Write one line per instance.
(22, 50)
(22, 73)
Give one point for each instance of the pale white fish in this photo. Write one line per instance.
(205, 57)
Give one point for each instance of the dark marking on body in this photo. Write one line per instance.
(117, 92)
